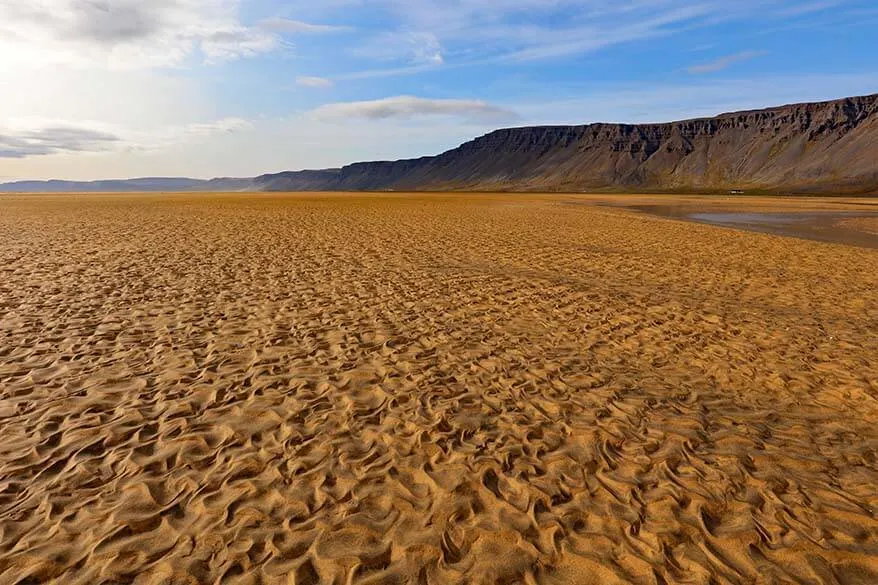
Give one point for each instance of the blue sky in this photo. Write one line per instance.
(118, 88)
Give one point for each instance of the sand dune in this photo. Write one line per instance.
(429, 389)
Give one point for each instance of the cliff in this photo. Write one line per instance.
(818, 147)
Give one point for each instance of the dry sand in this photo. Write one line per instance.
(429, 389)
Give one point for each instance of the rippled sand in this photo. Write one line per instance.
(429, 389)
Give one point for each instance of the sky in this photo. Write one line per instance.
(94, 89)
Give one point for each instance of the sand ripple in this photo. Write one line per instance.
(429, 390)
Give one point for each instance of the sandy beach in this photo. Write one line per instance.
(432, 389)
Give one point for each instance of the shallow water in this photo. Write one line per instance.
(823, 226)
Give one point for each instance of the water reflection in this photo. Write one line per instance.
(825, 226)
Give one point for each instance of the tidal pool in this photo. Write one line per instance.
(824, 226)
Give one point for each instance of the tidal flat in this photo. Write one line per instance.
(409, 388)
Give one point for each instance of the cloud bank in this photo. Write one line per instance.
(131, 34)
(54, 140)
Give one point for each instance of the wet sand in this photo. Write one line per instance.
(852, 227)
(431, 389)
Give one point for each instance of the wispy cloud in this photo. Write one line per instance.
(305, 81)
(489, 36)
(411, 107)
(482, 31)
(221, 126)
(391, 71)
(415, 48)
(808, 8)
(724, 62)
(288, 26)
(597, 34)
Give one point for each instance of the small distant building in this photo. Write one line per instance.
(736, 192)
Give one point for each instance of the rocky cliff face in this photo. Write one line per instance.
(820, 147)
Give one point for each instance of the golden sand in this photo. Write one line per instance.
(429, 389)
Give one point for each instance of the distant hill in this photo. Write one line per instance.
(826, 147)
(145, 184)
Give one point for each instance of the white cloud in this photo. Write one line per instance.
(415, 48)
(289, 26)
(53, 140)
(410, 107)
(125, 34)
(724, 62)
(234, 43)
(222, 126)
(425, 48)
(78, 76)
(306, 81)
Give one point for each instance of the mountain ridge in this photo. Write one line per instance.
(818, 147)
